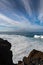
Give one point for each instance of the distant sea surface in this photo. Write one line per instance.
(23, 44)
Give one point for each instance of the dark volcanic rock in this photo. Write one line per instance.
(5, 44)
(5, 53)
(35, 58)
(26, 60)
(20, 63)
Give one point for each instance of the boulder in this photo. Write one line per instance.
(35, 57)
(20, 63)
(5, 44)
(26, 60)
(5, 53)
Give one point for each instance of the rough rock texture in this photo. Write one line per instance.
(35, 57)
(5, 53)
(20, 63)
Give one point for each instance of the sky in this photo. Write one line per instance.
(21, 15)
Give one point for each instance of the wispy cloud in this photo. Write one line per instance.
(20, 25)
(27, 6)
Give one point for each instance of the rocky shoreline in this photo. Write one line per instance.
(34, 58)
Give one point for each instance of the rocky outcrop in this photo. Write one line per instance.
(5, 53)
(34, 58)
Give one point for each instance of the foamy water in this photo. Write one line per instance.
(38, 36)
(21, 45)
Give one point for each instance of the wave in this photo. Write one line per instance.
(22, 46)
(38, 36)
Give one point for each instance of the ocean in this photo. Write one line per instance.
(23, 45)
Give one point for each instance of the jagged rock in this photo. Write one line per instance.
(26, 60)
(5, 53)
(20, 63)
(5, 44)
(35, 58)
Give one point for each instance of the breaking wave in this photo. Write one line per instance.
(21, 45)
(38, 36)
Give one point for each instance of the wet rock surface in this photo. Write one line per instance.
(34, 58)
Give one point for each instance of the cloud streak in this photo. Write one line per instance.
(27, 6)
(25, 24)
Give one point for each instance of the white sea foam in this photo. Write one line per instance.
(21, 45)
(38, 36)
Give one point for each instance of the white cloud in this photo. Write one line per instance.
(27, 6)
(8, 20)
(5, 5)
(40, 18)
(24, 24)
(41, 7)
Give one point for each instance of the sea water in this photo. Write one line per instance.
(22, 45)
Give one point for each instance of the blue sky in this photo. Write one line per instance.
(21, 15)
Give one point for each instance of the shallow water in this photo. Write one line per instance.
(22, 46)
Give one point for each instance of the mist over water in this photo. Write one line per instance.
(22, 46)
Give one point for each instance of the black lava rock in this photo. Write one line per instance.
(5, 53)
